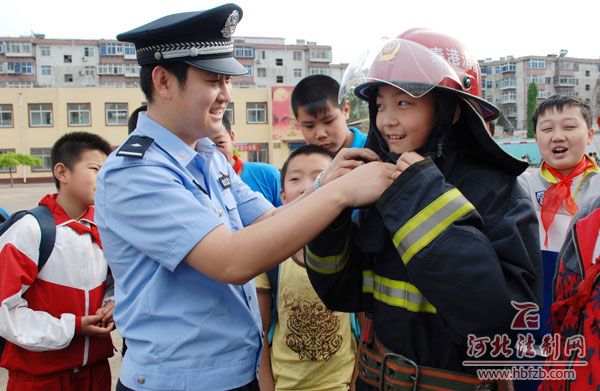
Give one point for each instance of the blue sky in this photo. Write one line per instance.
(491, 29)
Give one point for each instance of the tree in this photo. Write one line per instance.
(532, 93)
(11, 159)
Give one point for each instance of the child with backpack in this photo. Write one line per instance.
(312, 347)
(56, 318)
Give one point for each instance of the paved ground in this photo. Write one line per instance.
(25, 196)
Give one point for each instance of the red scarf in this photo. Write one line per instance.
(237, 167)
(82, 229)
(559, 192)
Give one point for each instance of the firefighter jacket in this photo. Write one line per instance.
(439, 257)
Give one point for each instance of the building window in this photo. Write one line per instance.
(229, 113)
(111, 49)
(68, 78)
(88, 52)
(116, 114)
(256, 113)
(279, 61)
(536, 63)
(18, 47)
(68, 58)
(261, 72)
(279, 79)
(90, 70)
(44, 154)
(297, 72)
(46, 70)
(248, 70)
(19, 67)
(40, 114)
(244, 51)
(6, 116)
(8, 169)
(587, 73)
(79, 114)
(129, 49)
(297, 55)
(262, 155)
(1, 47)
(320, 71)
(45, 51)
(587, 87)
(261, 54)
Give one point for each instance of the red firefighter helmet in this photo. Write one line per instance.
(417, 61)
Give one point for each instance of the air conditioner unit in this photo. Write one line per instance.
(81, 73)
(84, 59)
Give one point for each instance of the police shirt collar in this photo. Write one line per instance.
(168, 141)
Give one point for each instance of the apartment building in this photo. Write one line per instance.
(32, 119)
(505, 83)
(59, 63)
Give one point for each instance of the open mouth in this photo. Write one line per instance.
(559, 150)
(395, 138)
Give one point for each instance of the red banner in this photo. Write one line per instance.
(247, 147)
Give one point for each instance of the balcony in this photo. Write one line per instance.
(560, 81)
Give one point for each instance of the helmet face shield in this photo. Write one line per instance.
(406, 65)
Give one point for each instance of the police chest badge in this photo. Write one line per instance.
(225, 181)
(230, 24)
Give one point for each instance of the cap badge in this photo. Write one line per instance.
(230, 23)
(157, 56)
(389, 51)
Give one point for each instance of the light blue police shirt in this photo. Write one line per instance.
(184, 330)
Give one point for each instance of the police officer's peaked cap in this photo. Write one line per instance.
(201, 39)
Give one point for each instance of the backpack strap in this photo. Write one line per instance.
(48, 228)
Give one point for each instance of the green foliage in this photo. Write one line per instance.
(12, 159)
(532, 93)
(359, 111)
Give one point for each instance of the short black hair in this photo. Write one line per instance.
(307, 149)
(558, 102)
(133, 118)
(227, 124)
(69, 147)
(177, 68)
(314, 94)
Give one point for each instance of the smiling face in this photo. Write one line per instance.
(562, 137)
(404, 121)
(328, 129)
(197, 108)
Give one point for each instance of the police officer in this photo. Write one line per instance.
(172, 216)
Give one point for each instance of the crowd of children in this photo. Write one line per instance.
(425, 227)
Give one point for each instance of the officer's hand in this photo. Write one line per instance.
(365, 184)
(345, 161)
(91, 325)
(406, 160)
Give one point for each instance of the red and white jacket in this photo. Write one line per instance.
(40, 314)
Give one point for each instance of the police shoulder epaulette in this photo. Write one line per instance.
(135, 146)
